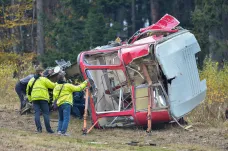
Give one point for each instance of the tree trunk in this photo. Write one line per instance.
(13, 33)
(40, 29)
(2, 21)
(21, 39)
(120, 16)
(154, 11)
(133, 15)
(33, 16)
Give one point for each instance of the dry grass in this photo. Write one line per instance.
(212, 110)
(210, 115)
(17, 133)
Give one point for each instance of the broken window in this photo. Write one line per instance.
(112, 92)
(143, 71)
(107, 58)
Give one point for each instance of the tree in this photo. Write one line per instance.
(154, 10)
(14, 23)
(133, 15)
(64, 30)
(95, 27)
(210, 27)
(40, 29)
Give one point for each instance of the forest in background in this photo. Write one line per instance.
(60, 29)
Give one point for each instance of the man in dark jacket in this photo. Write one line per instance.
(20, 88)
(78, 104)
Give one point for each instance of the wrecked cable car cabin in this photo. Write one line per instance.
(153, 78)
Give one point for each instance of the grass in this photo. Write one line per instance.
(17, 132)
(22, 140)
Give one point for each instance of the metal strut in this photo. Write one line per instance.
(84, 130)
(151, 98)
(185, 128)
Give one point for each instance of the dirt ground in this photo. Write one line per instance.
(15, 129)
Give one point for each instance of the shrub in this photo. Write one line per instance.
(212, 110)
(12, 68)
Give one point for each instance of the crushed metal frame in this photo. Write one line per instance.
(142, 82)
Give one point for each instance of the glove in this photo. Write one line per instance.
(54, 106)
(91, 89)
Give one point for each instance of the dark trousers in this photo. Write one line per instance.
(64, 117)
(44, 107)
(78, 110)
(21, 92)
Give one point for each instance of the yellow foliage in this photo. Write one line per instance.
(217, 82)
(14, 15)
(11, 63)
(8, 42)
(212, 110)
(19, 64)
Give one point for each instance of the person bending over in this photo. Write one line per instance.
(20, 88)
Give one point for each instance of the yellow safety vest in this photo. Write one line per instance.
(66, 95)
(40, 89)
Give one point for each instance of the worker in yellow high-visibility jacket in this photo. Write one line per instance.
(63, 93)
(37, 93)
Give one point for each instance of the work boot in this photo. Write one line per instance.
(50, 131)
(28, 105)
(26, 108)
(59, 132)
(39, 131)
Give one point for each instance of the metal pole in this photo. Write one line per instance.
(151, 96)
(85, 112)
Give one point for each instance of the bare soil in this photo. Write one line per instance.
(18, 133)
